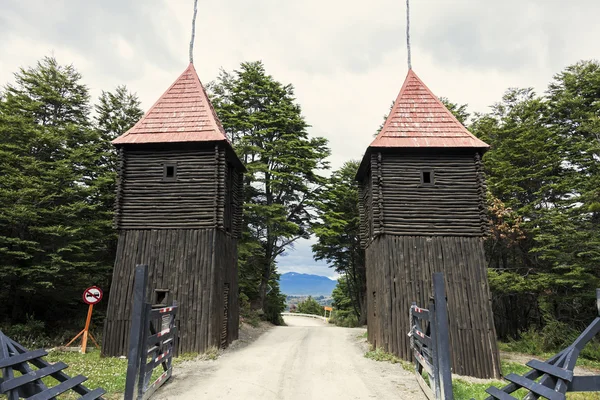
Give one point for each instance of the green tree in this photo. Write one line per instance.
(570, 237)
(116, 113)
(51, 235)
(338, 234)
(542, 180)
(344, 306)
(310, 306)
(268, 130)
(458, 110)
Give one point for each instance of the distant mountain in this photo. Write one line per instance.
(296, 284)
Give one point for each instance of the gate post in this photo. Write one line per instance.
(136, 346)
(435, 350)
(442, 336)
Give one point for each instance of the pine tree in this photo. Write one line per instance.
(270, 135)
(338, 234)
(51, 237)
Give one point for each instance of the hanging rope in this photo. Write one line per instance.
(408, 33)
(194, 32)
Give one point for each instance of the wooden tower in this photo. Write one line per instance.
(179, 210)
(423, 211)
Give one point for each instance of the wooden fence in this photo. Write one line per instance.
(429, 341)
(554, 378)
(14, 357)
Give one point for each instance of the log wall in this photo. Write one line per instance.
(194, 265)
(410, 230)
(400, 270)
(207, 191)
(186, 230)
(395, 201)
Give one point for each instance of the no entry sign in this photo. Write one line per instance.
(92, 295)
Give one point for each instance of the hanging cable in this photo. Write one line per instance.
(408, 33)
(193, 32)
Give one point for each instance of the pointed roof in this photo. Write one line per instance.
(419, 119)
(182, 114)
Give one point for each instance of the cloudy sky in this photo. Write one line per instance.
(346, 59)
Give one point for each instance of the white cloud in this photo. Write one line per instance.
(346, 59)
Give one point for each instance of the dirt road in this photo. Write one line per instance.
(302, 361)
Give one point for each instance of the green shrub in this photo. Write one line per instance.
(31, 334)
(344, 319)
(310, 306)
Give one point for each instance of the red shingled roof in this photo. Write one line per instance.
(419, 119)
(182, 114)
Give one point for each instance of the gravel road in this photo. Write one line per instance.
(302, 361)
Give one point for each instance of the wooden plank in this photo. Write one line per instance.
(20, 358)
(551, 370)
(425, 387)
(31, 376)
(58, 389)
(535, 387)
(499, 394)
(93, 395)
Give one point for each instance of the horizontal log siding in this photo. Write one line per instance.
(377, 175)
(119, 186)
(482, 192)
(146, 201)
(365, 208)
(400, 271)
(238, 203)
(453, 206)
(193, 264)
(231, 196)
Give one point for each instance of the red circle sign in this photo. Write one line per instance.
(92, 295)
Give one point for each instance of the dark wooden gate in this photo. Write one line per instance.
(430, 343)
(14, 357)
(554, 378)
(152, 342)
(224, 328)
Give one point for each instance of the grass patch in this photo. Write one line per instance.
(108, 372)
(381, 355)
(210, 354)
(185, 357)
(464, 390)
(362, 336)
(587, 359)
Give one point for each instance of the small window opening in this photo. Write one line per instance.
(160, 296)
(427, 177)
(169, 172)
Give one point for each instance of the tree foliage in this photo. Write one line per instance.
(543, 178)
(310, 306)
(53, 241)
(269, 133)
(338, 234)
(344, 313)
(56, 193)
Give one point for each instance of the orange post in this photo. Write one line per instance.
(85, 332)
(86, 329)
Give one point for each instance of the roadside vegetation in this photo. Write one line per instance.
(467, 389)
(109, 373)
(310, 306)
